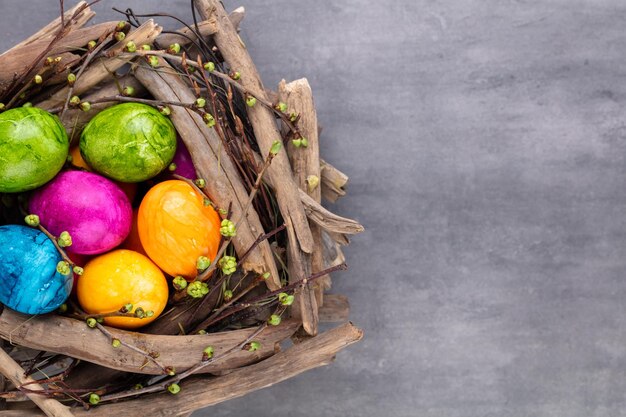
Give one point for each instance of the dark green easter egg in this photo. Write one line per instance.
(33, 148)
(129, 142)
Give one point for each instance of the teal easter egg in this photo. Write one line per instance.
(129, 142)
(30, 282)
(33, 148)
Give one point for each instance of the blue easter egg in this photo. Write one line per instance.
(29, 282)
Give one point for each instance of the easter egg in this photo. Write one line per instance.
(95, 211)
(129, 188)
(118, 278)
(129, 142)
(176, 228)
(30, 282)
(184, 164)
(133, 241)
(33, 148)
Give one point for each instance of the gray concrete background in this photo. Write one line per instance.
(486, 142)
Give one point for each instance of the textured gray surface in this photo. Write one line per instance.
(486, 142)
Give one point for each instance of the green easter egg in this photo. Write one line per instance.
(33, 148)
(129, 142)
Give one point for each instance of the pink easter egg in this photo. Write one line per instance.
(94, 210)
(183, 161)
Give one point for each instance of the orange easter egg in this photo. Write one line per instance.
(120, 277)
(77, 159)
(176, 228)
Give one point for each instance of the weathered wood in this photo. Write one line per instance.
(207, 28)
(305, 163)
(14, 372)
(200, 392)
(333, 182)
(261, 118)
(213, 163)
(181, 352)
(336, 309)
(102, 68)
(329, 221)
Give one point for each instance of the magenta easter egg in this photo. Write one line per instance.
(184, 164)
(94, 210)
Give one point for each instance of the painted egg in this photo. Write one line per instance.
(129, 142)
(133, 241)
(95, 211)
(183, 161)
(117, 278)
(129, 188)
(33, 148)
(176, 228)
(29, 282)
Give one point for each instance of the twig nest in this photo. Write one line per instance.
(129, 142)
(116, 279)
(33, 148)
(176, 227)
(30, 282)
(95, 211)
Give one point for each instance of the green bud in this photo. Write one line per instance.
(94, 399)
(63, 268)
(285, 299)
(100, 320)
(191, 69)
(197, 289)
(200, 182)
(266, 275)
(91, 45)
(207, 353)
(91, 322)
(206, 202)
(222, 211)
(305, 142)
(62, 308)
(170, 371)
(85, 106)
(127, 308)
(274, 320)
(228, 295)
(227, 228)
(38, 79)
(120, 36)
(164, 110)
(281, 107)
(209, 66)
(293, 116)
(146, 47)
(78, 270)
(276, 147)
(250, 101)
(75, 101)
(297, 142)
(202, 263)
(121, 25)
(228, 264)
(32, 220)
(71, 78)
(201, 332)
(172, 167)
(149, 313)
(116, 343)
(29, 104)
(173, 388)
(64, 240)
(180, 283)
(140, 313)
(200, 102)
(153, 60)
(2, 106)
(49, 61)
(253, 346)
(312, 181)
(130, 46)
(174, 48)
(137, 386)
(128, 91)
(235, 75)
(209, 119)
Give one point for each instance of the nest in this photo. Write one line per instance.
(286, 244)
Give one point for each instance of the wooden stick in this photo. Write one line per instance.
(34, 332)
(223, 182)
(100, 70)
(207, 28)
(328, 220)
(305, 163)
(200, 392)
(14, 372)
(336, 309)
(262, 119)
(333, 182)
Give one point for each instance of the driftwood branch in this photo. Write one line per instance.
(81, 342)
(14, 372)
(334, 182)
(213, 163)
(198, 393)
(336, 309)
(262, 119)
